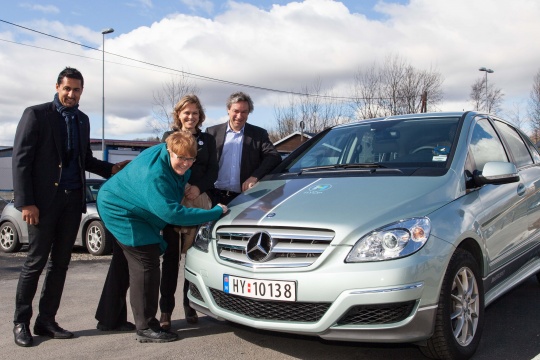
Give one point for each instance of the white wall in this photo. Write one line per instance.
(114, 157)
(6, 173)
(6, 179)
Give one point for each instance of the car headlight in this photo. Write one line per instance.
(393, 241)
(203, 237)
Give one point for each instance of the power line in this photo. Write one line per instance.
(185, 73)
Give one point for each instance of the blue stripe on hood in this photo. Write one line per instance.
(260, 208)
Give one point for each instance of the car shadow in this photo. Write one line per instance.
(511, 331)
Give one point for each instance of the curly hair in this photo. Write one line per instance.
(238, 97)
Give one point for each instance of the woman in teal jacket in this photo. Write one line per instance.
(135, 205)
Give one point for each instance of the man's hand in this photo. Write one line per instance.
(249, 183)
(119, 166)
(192, 192)
(30, 214)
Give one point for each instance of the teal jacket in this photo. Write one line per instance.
(137, 202)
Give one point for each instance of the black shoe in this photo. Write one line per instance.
(160, 336)
(191, 315)
(23, 336)
(51, 330)
(127, 326)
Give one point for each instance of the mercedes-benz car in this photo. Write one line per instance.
(396, 229)
(92, 233)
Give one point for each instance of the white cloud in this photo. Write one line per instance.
(46, 9)
(146, 3)
(195, 5)
(286, 47)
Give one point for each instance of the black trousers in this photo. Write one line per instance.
(169, 271)
(144, 275)
(54, 236)
(112, 306)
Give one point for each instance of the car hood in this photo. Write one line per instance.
(349, 206)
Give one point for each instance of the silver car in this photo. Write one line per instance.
(92, 234)
(397, 229)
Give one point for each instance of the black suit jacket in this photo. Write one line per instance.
(37, 156)
(259, 156)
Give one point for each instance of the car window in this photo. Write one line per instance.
(92, 190)
(532, 148)
(515, 142)
(403, 142)
(485, 145)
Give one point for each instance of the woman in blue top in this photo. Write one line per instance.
(135, 205)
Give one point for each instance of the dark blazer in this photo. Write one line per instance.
(37, 156)
(259, 156)
(204, 171)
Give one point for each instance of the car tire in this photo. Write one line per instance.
(97, 240)
(460, 313)
(9, 238)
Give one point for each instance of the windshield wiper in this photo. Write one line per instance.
(343, 166)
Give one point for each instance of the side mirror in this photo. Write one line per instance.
(496, 172)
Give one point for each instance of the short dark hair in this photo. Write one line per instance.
(71, 73)
(238, 97)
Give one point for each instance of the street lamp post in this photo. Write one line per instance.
(487, 71)
(103, 32)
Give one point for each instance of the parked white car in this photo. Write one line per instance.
(398, 229)
(92, 233)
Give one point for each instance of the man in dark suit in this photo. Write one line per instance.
(51, 153)
(244, 151)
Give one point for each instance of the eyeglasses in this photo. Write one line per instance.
(183, 158)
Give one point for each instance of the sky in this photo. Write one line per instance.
(273, 47)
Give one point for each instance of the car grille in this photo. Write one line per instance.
(377, 314)
(290, 247)
(194, 290)
(270, 310)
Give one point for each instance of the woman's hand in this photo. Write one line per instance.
(224, 208)
(192, 192)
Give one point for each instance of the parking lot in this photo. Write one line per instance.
(512, 328)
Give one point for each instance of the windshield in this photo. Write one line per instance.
(425, 142)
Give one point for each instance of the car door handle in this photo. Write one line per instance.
(521, 190)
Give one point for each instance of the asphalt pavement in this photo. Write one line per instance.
(512, 328)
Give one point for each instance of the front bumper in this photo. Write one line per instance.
(391, 301)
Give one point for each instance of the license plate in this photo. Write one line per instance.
(260, 289)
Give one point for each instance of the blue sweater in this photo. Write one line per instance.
(137, 202)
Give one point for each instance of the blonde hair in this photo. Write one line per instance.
(187, 99)
(182, 143)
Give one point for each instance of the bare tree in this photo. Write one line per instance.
(316, 110)
(165, 100)
(534, 107)
(476, 96)
(395, 88)
(367, 101)
(490, 101)
(516, 116)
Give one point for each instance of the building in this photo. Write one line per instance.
(115, 151)
(289, 143)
